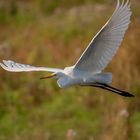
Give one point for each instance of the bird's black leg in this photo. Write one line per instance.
(112, 89)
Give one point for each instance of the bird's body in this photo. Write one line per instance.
(87, 71)
(71, 77)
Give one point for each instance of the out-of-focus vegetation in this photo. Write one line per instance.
(54, 33)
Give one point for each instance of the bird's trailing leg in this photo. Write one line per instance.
(112, 89)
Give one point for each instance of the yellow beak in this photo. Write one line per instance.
(49, 76)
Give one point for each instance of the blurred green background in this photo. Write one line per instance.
(54, 33)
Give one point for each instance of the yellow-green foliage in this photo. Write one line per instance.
(54, 33)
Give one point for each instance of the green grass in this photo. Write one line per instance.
(59, 114)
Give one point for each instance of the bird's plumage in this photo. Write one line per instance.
(18, 67)
(104, 45)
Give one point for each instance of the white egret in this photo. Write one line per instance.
(88, 69)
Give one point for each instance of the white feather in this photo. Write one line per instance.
(104, 45)
(17, 67)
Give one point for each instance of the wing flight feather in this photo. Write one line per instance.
(104, 45)
(17, 67)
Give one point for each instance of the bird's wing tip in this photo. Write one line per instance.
(7, 65)
(3, 66)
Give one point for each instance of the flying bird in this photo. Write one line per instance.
(88, 70)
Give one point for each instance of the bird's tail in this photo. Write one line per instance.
(104, 77)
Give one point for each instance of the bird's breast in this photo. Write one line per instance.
(65, 82)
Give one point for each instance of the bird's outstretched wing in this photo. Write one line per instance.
(104, 45)
(17, 67)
